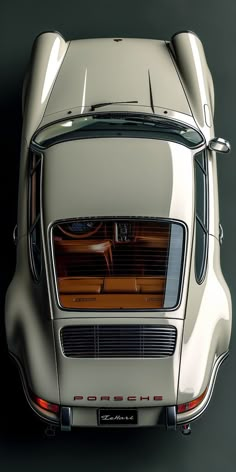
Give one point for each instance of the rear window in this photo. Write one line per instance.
(120, 265)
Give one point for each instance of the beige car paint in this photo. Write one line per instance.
(85, 185)
(122, 72)
(126, 162)
(118, 376)
(191, 62)
(206, 331)
(33, 316)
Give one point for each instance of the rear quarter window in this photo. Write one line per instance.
(34, 224)
(202, 217)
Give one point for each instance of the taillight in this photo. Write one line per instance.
(190, 405)
(46, 405)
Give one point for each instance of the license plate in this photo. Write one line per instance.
(117, 416)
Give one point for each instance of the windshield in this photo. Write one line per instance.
(118, 264)
(118, 125)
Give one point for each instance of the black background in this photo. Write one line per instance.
(212, 444)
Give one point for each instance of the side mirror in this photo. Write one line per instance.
(219, 145)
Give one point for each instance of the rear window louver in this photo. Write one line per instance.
(123, 264)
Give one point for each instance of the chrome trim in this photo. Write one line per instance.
(221, 233)
(219, 145)
(193, 414)
(205, 227)
(100, 341)
(160, 112)
(66, 418)
(172, 116)
(37, 410)
(171, 417)
(36, 277)
(14, 234)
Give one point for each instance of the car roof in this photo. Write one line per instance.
(101, 177)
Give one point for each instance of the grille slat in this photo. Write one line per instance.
(125, 341)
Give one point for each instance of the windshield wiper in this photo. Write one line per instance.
(139, 118)
(104, 104)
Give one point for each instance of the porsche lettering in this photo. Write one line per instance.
(119, 398)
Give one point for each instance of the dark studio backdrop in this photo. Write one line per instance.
(211, 447)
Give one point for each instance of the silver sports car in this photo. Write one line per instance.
(118, 313)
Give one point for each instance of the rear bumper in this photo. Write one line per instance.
(87, 416)
(150, 416)
(164, 416)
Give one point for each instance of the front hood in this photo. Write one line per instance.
(104, 70)
(118, 382)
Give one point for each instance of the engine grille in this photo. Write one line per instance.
(127, 341)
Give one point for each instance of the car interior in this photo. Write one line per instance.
(111, 264)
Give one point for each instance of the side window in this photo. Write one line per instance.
(201, 205)
(34, 215)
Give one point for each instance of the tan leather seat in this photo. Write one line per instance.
(65, 247)
(73, 285)
(120, 285)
